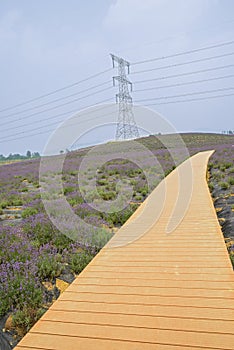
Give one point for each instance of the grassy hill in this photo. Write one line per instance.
(37, 261)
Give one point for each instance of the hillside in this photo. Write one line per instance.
(40, 261)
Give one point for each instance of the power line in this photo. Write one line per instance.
(75, 110)
(54, 117)
(51, 130)
(108, 88)
(184, 74)
(58, 99)
(189, 100)
(143, 100)
(187, 94)
(107, 70)
(185, 83)
(52, 108)
(148, 105)
(172, 37)
(146, 89)
(99, 91)
(23, 137)
(184, 53)
(34, 129)
(184, 63)
(57, 90)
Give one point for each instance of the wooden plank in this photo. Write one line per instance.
(153, 336)
(152, 276)
(142, 321)
(54, 342)
(195, 310)
(133, 282)
(144, 299)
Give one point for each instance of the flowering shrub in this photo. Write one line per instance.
(78, 261)
(19, 288)
(49, 267)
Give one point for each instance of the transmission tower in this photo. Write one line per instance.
(126, 126)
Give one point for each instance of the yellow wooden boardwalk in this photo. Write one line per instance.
(163, 291)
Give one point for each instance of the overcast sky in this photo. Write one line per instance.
(46, 45)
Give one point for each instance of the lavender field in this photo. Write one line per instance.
(37, 261)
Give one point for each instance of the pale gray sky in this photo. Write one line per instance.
(45, 45)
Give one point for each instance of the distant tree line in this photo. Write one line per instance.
(17, 156)
(228, 132)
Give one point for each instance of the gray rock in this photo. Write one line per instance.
(4, 344)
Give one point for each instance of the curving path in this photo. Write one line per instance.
(149, 289)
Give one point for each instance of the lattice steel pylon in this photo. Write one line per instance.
(126, 126)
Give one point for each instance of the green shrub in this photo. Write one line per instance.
(12, 200)
(144, 192)
(110, 187)
(118, 218)
(24, 189)
(28, 212)
(61, 242)
(17, 202)
(68, 190)
(228, 165)
(4, 303)
(100, 238)
(49, 267)
(132, 173)
(79, 260)
(111, 172)
(26, 318)
(224, 185)
(211, 186)
(167, 172)
(102, 175)
(72, 172)
(102, 181)
(41, 233)
(224, 166)
(138, 198)
(110, 195)
(210, 165)
(231, 181)
(133, 182)
(217, 175)
(91, 196)
(3, 204)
